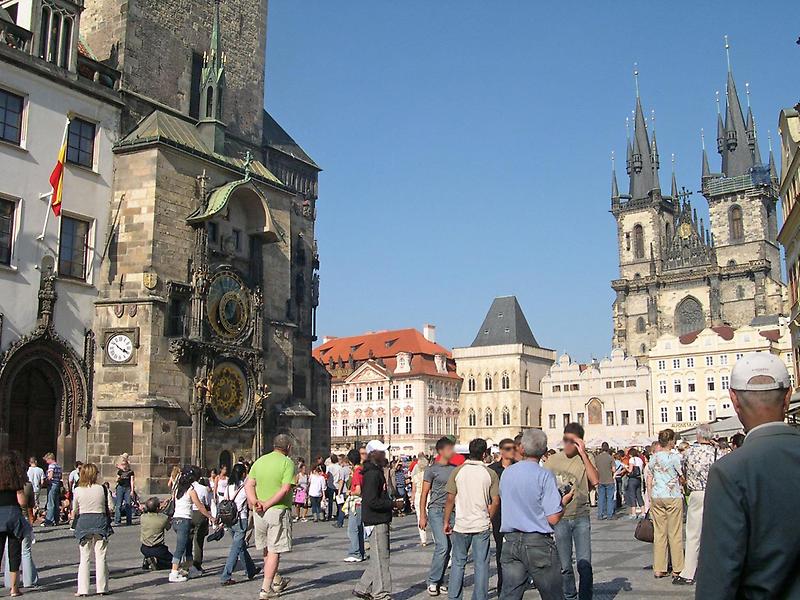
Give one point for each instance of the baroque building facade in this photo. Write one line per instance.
(398, 386)
(676, 275)
(50, 266)
(609, 397)
(502, 371)
(207, 296)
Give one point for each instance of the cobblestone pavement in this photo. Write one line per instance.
(622, 566)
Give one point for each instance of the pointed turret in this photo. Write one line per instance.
(773, 172)
(642, 171)
(212, 88)
(737, 155)
(706, 169)
(614, 187)
(720, 129)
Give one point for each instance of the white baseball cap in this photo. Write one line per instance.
(754, 364)
(376, 446)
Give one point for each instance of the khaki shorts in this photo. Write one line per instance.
(273, 530)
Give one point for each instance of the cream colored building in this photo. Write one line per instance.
(691, 373)
(501, 371)
(610, 398)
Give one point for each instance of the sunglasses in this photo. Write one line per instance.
(507, 448)
(568, 440)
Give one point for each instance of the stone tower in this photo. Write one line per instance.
(159, 46)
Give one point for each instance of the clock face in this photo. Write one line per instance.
(119, 348)
(228, 305)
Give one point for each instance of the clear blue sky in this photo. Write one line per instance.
(466, 144)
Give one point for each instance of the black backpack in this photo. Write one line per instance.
(227, 511)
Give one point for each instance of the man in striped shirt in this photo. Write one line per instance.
(54, 477)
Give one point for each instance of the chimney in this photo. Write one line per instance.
(429, 332)
(328, 338)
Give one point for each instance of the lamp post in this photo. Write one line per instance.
(358, 425)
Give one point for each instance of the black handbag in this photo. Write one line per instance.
(644, 529)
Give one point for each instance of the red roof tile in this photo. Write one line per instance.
(723, 331)
(773, 335)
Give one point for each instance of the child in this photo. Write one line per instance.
(153, 525)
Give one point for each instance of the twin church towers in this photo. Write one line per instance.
(678, 275)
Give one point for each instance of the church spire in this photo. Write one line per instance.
(773, 172)
(212, 88)
(614, 187)
(737, 154)
(706, 168)
(642, 169)
(674, 190)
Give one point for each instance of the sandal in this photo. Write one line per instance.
(659, 575)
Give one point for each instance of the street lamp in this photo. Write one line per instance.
(358, 425)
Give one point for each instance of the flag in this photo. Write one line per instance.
(57, 176)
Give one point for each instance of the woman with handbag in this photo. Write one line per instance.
(235, 499)
(13, 526)
(186, 499)
(92, 529)
(301, 494)
(666, 508)
(633, 489)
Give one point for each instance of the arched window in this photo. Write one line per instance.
(472, 418)
(689, 316)
(44, 31)
(527, 381)
(736, 224)
(487, 383)
(528, 417)
(210, 102)
(638, 241)
(471, 384)
(505, 382)
(506, 416)
(488, 419)
(668, 233)
(640, 326)
(66, 43)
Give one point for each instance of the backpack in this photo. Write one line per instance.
(227, 511)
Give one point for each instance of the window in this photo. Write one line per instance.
(439, 430)
(395, 392)
(619, 384)
(640, 325)
(692, 412)
(334, 395)
(689, 316)
(471, 384)
(11, 117)
(662, 364)
(725, 382)
(395, 425)
(609, 417)
(710, 383)
(408, 390)
(447, 426)
(334, 426)
(237, 239)
(678, 414)
(430, 423)
(430, 391)
(345, 428)
(369, 426)
(55, 35)
(676, 363)
(73, 248)
(505, 382)
(739, 355)
(709, 361)
(380, 392)
(527, 416)
(6, 230)
(690, 362)
(551, 421)
(213, 232)
(574, 387)
(712, 411)
(723, 359)
(690, 384)
(487, 383)
(408, 424)
(565, 419)
(676, 384)
(737, 227)
(472, 419)
(662, 387)
(369, 393)
(580, 418)
(638, 241)
(640, 416)
(630, 383)
(358, 394)
(344, 395)
(488, 417)
(664, 415)
(506, 416)
(80, 143)
(623, 417)
(608, 385)
(380, 425)
(556, 388)
(527, 381)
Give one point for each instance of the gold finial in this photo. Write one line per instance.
(728, 53)
(702, 138)
(636, 77)
(747, 92)
(718, 110)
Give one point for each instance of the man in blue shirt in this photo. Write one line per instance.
(531, 504)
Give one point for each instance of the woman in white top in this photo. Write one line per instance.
(186, 500)
(301, 493)
(92, 529)
(317, 483)
(417, 476)
(235, 493)
(633, 491)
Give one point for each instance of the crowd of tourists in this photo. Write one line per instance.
(720, 512)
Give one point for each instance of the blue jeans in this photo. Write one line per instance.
(183, 546)
(53, 501)
(330, 494)
(355, 532)
(606, 501)
(340, 515)
(238, 552)
(442, 546)
(30, 576)
(527, 556)
(479, 542)
(123, 496)
(316, 507)
(579, 532)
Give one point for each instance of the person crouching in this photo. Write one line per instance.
(153, 525)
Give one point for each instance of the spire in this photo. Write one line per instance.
(706, 168)
(773, 172)
(614, 187)
(737, 156)
(642, 168)
(720, 129)
(212, 88)
(674, 190)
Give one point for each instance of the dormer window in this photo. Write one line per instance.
(56, 30)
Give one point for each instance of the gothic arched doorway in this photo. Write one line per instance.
(226, 460)
(35, 398)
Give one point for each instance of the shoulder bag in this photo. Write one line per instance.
(644, 529)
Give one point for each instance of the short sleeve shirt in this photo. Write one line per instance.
(572, 471)
(54, 472)
(474, 486)
(666, 469)
(437, 475)
(605, 468)
(529, 495)
(357, 479)
(272, 471)
(35, 476)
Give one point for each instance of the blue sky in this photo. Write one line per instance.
(466, 144)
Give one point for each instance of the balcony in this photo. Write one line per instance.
(100, 73)
(14, 36)
(758, 177)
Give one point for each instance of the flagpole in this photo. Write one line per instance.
(50, 195)
(46, 214)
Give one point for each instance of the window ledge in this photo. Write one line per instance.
(9, 268)
(18, 147)
(73, 281)
(89, 170)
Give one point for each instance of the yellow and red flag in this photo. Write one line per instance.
(57, 176)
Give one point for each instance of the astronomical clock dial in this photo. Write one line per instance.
(119, 348)
(228, 305)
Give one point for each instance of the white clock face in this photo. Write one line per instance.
(119, 348)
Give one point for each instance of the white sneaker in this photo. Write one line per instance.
(433, 590)
(176, 577)
(194, 572)
(442, 588)
(352, 559)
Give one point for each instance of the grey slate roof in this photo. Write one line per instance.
(739, 160)
(505, 323)
(276, 137)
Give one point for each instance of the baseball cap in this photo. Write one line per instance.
(754, 364)
(376, 446)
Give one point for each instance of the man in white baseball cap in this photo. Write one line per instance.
(748, 548)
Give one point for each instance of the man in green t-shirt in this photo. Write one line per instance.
(269, 493)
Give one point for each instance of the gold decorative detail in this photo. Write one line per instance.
(150, 280)
(228, 393)
(685, 231)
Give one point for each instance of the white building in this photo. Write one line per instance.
(610, 398)
(48, 282)
(691, 373)
(398, 386)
